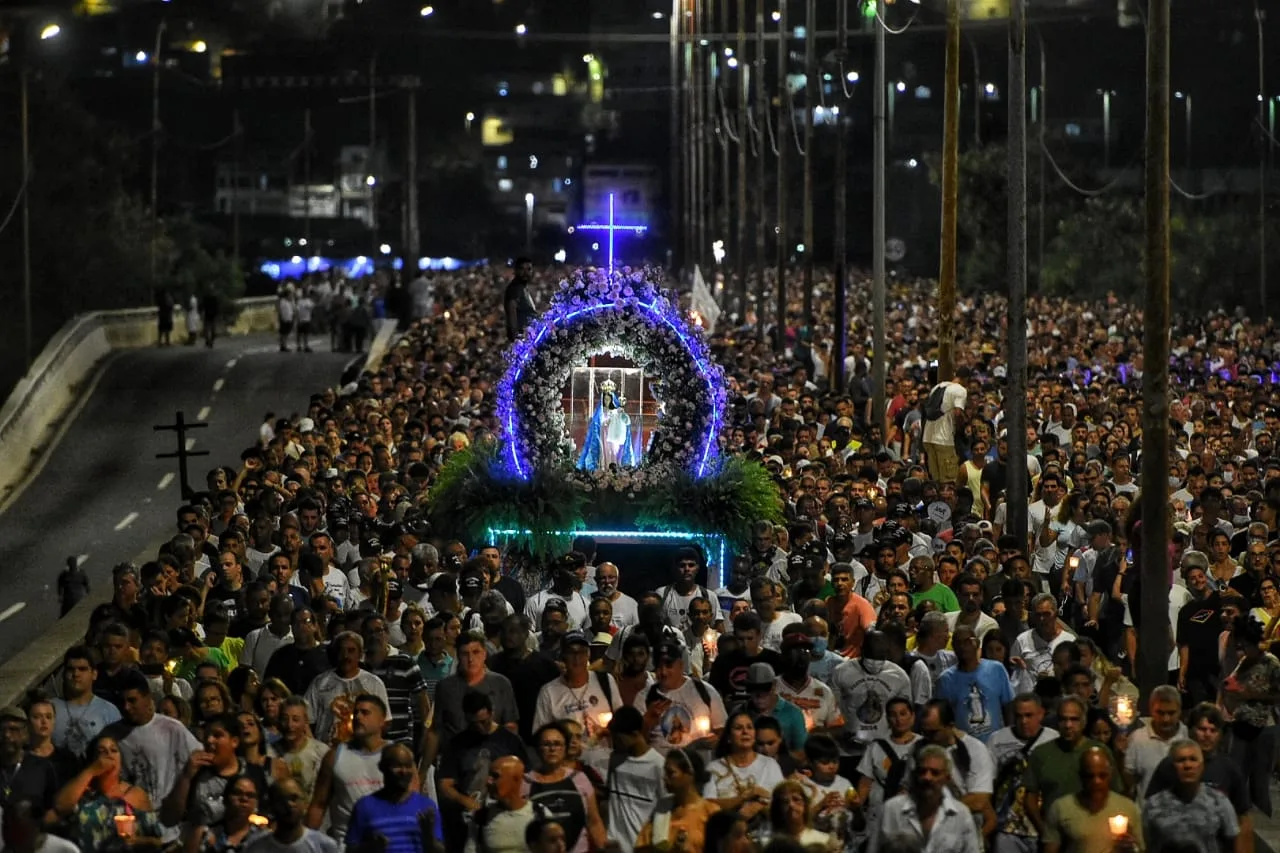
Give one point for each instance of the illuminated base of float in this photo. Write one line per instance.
(643, 557)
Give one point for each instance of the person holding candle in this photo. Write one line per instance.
(96, 796)
(679, 822)
(579, 694)
(1095, 819)
(395, 818)
(1053, 768)
(740, 778)
(1190, 810)
(678, 710)
(291, 835)
(237, 829)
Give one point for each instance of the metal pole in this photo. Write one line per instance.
(705, 170)
(950, 197)
(721, 225)
(155, 162)
(761, 115)
(528, 224)
(306, 177)
(1262, 161)
(840, 321)
(878, 236)
(690, 159)
(1106, 128)
(27, 332)
(744, 81)
(978, 91)
(1016, 401)
(1043, 120)
(413, 237)
(810, 100)
(235, 187)
(675, 227)
(1188, 105)
(784, 143)
(1153, 630)
(373, 147)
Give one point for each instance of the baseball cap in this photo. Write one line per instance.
(864, 503)
(1098, 527)
(574, 638)
(668, 651)
(900, 510)
(760, 675)
(13, 712)
(797, 560)
(471, 583)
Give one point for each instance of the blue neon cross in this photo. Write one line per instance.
(613, 228)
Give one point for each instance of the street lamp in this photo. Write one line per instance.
(1186, 96)
(521, 29)
(1106, 126)
(528, 223)
(470, 117)
(51, 31)
(155, 155)
(427, 11)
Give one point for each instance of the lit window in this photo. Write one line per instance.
(1072, 129)
(533, 161)
(504, 185)
(923, 93)
(502, 163)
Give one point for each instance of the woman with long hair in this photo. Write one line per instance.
(995, 648)
(255, 751)
(212, 700)
(269, 702)
(1269, 613)
(1249, 696)
(740, 778)
(726, 832)
(236, 832)
(563, 791)
(93, 800)
(243, 684)
(679, 821)
(791, 816)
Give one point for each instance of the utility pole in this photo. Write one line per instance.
(1263, 150)
(412, 241)
(722, 223)
(26, 221)
(810, 98)
(950, 197)
(783, 134)
(744, 81)
(702, 189)
(675, 228)
(1042, 122)
(841, 319)
(761, 113)
(878, 308)
(1153, 628)
(306, 177)
(155, 163)
(180, 427)
(373, 147)
(690, 159)
(1016, 399)
(235, 184)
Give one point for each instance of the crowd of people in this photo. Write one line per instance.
(308, 665)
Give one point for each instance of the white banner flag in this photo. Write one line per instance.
(703, 303)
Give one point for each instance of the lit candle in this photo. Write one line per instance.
(1119, 825)
(605, 718)
(1123, 710)
(259, 820)
(125, 824)
(703, 725)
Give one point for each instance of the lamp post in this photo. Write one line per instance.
(26, 224)
(1186, 98)
(155, 160)
(1106, 126)
(528, 223)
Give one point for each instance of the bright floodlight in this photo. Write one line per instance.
(50, 31)
(852, 77)
(658, 16)
(140, 56)
(471, 116)
(200, 46)
(528, 199)
(901, 87)
(561, 256)
(990, 88)
(370, 181)
(521, 29)
(733, 62)
(588, 58)
(427, 11)
(777, 16)
(385, 249)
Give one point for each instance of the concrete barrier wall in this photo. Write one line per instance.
(51, 387)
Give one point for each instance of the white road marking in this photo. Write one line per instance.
(191, 443)
(81, 558)
(217, 385)
(165, 481)
(127, 520)
(12, 610)
(232, 363)
(203, 414)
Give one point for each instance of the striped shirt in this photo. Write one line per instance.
(404, 682)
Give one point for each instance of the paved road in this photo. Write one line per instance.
(104, 496)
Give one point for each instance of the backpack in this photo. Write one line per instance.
(652, 695)
(602, 679)
(897, 769)
(933, 404)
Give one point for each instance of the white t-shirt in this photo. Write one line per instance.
(678, 726)
(260, 645)
(943, 430)
(862, 695)
(980, 778)
(311, 842)
(634, 786)
(726, 781)
(875, 765)
(675, 607)
(573, 602)
(985, 624)
(152, 757)
(330, 690)
(338, 587)
(773, 631)
(1036, 653)
(75, 725)
(816, 701)
(626, 611)
(585, 704)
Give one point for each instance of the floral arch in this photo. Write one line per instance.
(625, 314)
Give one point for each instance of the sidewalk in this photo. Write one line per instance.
(1267, 829)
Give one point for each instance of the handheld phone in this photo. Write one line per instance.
(1128, 556)
(1074, 561)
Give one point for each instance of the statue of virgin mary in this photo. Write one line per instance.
(608, 440)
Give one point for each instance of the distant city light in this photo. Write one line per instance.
(302, 241)
(50, 31)
(901, 87)
(370, 181)
(471, 116)
(912, 163)
(990, 88)
(588, 58)
(533, 161)
(777, 16)
(140, 56)
(427, 11)
(384, 249)
(800, 247)
(733, 62)
(200, 46)
(728, 51)
(658, 16)
(561, 256)
(521, 29)
(853, 77)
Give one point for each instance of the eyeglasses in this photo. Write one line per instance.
(551, 744)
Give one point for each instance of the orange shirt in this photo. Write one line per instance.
(856, 618)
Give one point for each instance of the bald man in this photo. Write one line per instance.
(502, 823)
(403, 818)
(1081, 822)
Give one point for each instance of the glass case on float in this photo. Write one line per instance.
(611, 410)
